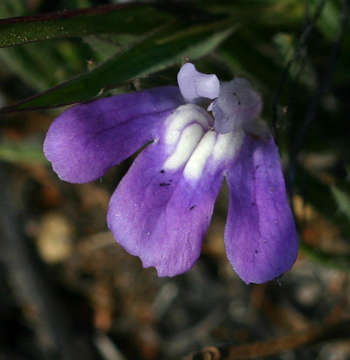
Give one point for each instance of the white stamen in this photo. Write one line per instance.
(187, 143)
(194, 167)
(227, 145)
(181, 117)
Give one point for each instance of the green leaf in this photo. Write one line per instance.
(103, 48)
(127, 18)
(20, 61)
(310, 188)
(43, 66)
(21, 152)
(342, 198)
(328, 22)
(265, 12)
(164, 49)
(12, 7)
(335, 261)
(321, 197)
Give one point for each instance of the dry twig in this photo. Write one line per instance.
(311, 336)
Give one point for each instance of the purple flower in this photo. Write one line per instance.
(162, 207)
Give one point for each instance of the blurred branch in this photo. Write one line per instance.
(323, 86)
(335, 261)
(107, 348)
(297, 53)
(31, 286)
(311, 336)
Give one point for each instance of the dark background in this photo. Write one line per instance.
(68, 291)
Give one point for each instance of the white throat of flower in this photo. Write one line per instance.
(191, 141)
(194, 138)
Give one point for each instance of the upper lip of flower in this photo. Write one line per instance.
(162, 207)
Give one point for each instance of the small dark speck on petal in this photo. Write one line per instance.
(192, 207)
(162, 171)
(256, 251)
(164, 184)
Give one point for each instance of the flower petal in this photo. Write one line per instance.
(260, 235)
(194, 84)
(161, 216)
(237, 106)
(87, 139)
